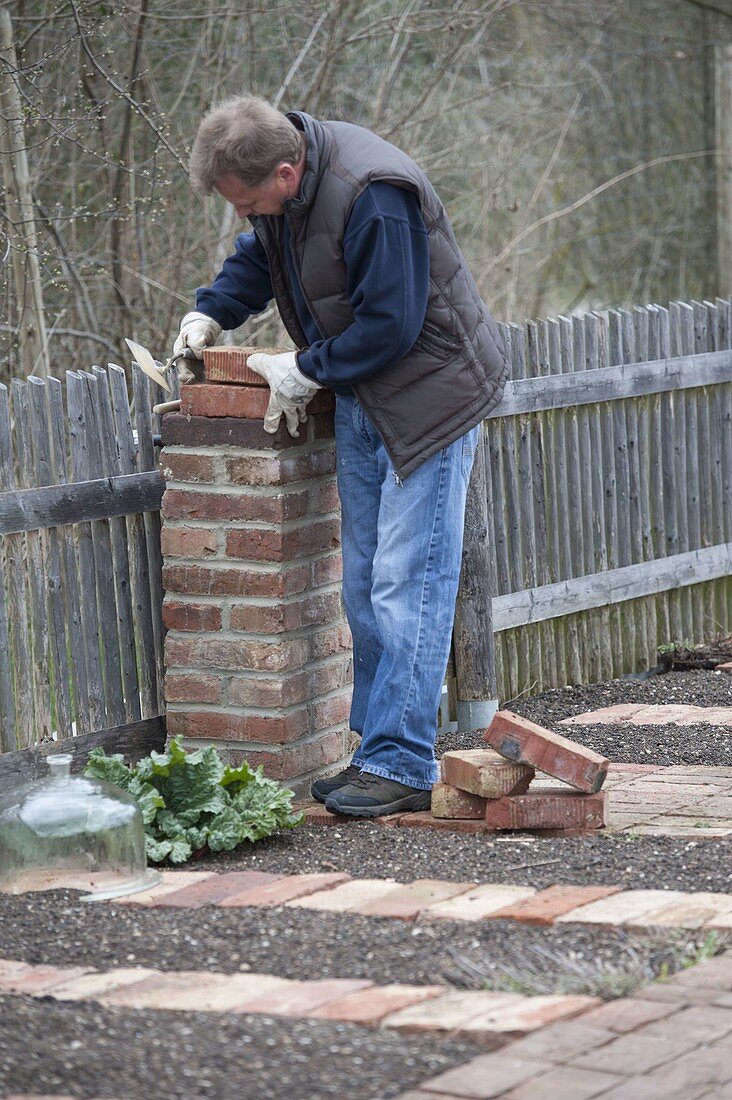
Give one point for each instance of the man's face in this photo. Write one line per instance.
(264, 198)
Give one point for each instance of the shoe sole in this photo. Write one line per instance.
(411, 803)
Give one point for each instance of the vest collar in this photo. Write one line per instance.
(318, 144)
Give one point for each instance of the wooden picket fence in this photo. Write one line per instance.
(81, 634)
(600, 519)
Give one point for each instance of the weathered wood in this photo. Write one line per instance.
(137, 549)
(571, 513)
(612, 587)
(537, 428)
(101, 498)
(19, 658)
(692, 494)
(134, 740)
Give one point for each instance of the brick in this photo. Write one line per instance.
(284, 889)
(214, 889)
(191, 990)
(11, 969)
(327, 569)
(284, 470)
(330, 712)
(287, 690)
(562, 1039)
(571, 1083)
(485, 773)
(370, 1006)
(478, 903)
(223, 725)
(191, 687)
(693, 1025)
(179, 466)
(684, 1078)
(449, 1012)
(309, 610)
(713, 716)
(313, 755)
(485, 1077)
(334, 639)
(425, 820)
(236, 506)
(669, 713)
(303, 998)
(715, 973)
(525, 742)
(208, 431)
(548, 809)
(527, 1015)
(451, 802)
(212, 651)
(283, 545)
(240, 580)
(544, 907)
(626, 1015)
(91, 986)
(621, 712)
(318, 815)
(205, 399)
(188, 542)
(725, 667)
(407, 902)
(184, 615)
(172, 881)
(36, 981)
(636, 1053)
(229, 364)
(620, 908)
(691, 911)
(349, 897)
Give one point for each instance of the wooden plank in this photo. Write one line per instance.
(134, 740)
(680, 465)
(655, 480)
(619, 414)
(7, 695)
(573, 533)
(692, 491)
(648, 640)
(146, 460)
(604, 642)
(19, 660)
(608, 383)
(605, 414)
(591, 651)
(51, 554)
(101, 498)
(604, 589)
(38, 627)
(538, 501)
(701, 344)
(517, 642)
(636, 618)
(137, 548)
(556, 502)
(69, 556)
(89, 641)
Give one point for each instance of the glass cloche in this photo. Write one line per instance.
(67, 831)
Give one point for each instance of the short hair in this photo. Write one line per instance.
(245, 136)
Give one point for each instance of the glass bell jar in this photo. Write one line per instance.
(68, 831)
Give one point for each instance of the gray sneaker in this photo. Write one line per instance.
(373, 796)
(322, 788)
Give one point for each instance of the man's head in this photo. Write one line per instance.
(250, 153)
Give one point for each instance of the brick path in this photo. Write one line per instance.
(638, 714)
(671, 1041)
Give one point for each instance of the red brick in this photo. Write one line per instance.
(543, 907)
(225, 726)
(212, 651)
(214, 889)
(37, 980)
(726, 667)
(551, 808)
(331, 712)
(406, 902)
(326, 570)
(451, 802)
(318, 608)
(525, 742)
(484, 773)
(302, 998)
(425, 820)
(370, 1006)
(627, 1015)
(192, 687)
(327, 642)
(320, 426)
(318, 815)
(215, 431)
(189, 504)
(323, 499)
(201, 580)
(315, 754)
(188, 542)
(179, 466)
(229, 364)
(302, 687)
(180, 615)
(263, 470)
(284, 889)
(278, 545)
(205, 399)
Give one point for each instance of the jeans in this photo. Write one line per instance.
(402, 546)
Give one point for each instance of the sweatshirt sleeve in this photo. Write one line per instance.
(386, 253)
(241, 288)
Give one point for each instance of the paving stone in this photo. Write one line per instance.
(196, 991)
(450, 1011)
(214, 889)
(91, 986)
(316, 814)
(452, 802)
(485, 773)
(566, 1082)
(301, 998)
(425, 820)
(283, 890)
(714, 716)
(625, 1015)
(714, 973)
(485, 1077)
(721, 923)
(664, 714)
(172, 882)
(408, 901)
(9, 970)
(477, 903)
(348, 897)
(562, 1040)
(36, 981)
(370, 1006)
(725, 667)
(532, 1013)
(690, 830)
(551, 808)
(617, 909)
(525, 742)
(697, 1023)
(636, 1053)
(548, 904)
(678, 995)
(684, 1078)
(621, 712)
(691, 911)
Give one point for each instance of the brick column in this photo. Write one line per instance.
(258, 654)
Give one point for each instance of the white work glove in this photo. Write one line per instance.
(290, 390)
(197, 331)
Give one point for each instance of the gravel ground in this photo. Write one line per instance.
(88, 1051)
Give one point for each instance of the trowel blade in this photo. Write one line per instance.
(147, 364)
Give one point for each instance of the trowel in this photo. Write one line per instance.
(147, 364)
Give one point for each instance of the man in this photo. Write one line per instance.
(355, 247)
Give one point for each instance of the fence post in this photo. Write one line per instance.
(475, 661)
(258, 654)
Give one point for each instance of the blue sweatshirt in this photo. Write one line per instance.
(386, 253)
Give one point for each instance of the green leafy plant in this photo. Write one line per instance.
(191, 800)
